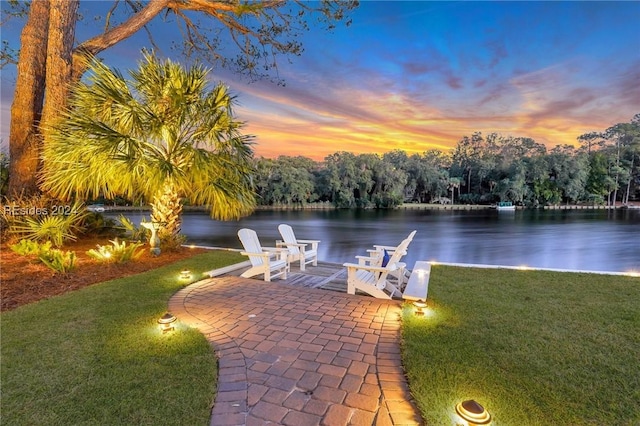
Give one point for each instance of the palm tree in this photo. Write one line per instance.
(161, 135)
(454, 183)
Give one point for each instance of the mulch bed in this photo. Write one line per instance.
(24, 280)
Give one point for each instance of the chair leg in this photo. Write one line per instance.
(351, 289)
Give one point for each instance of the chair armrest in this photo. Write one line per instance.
(281, 252)
(388, 248)
(364, 260)
(314, 243)
(298, 244)
(261, 254)
(370, 268)
(274, 249)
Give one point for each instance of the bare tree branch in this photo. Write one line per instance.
(99, 43)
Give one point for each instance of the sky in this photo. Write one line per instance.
(421, 75)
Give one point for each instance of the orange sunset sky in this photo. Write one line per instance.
(421, 75)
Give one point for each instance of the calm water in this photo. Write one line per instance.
(596, 240)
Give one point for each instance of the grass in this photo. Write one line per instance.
(533, 347)
(97, 356)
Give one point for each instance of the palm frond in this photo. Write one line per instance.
(130, 137)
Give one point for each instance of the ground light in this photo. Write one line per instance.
(185, 274)
(166, 322)
(473, 413)
(420, 305)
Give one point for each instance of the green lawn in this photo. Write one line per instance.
(533, 347)
(96, 355)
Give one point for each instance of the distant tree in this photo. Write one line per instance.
(341, 179)
(599, 182)
(623, 148)
(286, 180)
(389, 184)
(475, 158)
(427, 176)
(569, 170)
(454, 183)
(160, 136)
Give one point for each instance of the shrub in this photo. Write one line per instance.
(55, 259)
(45, 228)
(4, 173)
(95, 223)
(43, 219)
(133, 232)
(30, 248)
(172, 242)
(58, 260)
(117, 252)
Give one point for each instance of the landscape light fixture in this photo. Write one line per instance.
(185, 274)
(420, 305)
(166, 322)
(473, 413)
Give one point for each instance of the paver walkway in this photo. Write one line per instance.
(299, 356)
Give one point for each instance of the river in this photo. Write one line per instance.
(592, 240)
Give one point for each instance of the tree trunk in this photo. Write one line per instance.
(26, 110)
(34, 75)
(166, 208)
(626, 195)
(615, 190)
(62, 24)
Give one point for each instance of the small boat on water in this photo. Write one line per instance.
(505, 206)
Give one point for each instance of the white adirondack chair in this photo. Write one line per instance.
(376, 256)
(373, 278)
(268, 261)
(298, 249)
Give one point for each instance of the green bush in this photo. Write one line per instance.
(4, 173)
(30, 248)
(133, 232)
(59, 261)
(42, 219)
(117, 252)
(172, 242)
(55, 259)
(96, 224)
(56, 229)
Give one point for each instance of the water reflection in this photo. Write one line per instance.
(565, 239)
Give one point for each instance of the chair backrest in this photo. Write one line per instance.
(251, 244)
(286, 231)
(401, 250)
(398, 253)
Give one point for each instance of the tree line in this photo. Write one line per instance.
(603, 169)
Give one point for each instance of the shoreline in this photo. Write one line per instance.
(405, 206)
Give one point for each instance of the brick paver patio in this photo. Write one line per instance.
(299, 356)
